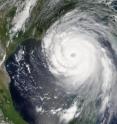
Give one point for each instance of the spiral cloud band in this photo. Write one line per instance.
(71, 73)
(78, 52)
(75, 53)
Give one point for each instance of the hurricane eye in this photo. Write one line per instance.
(73, 55)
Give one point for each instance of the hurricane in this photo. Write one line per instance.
(69, 75)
